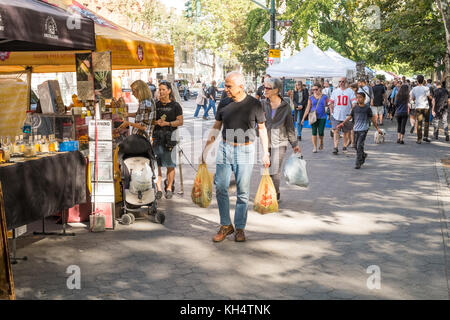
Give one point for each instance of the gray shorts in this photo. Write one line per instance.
(348, 126)
(377, 110)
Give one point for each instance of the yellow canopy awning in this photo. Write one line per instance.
(128, 49)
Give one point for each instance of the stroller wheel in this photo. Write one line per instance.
(152, 218)
(160, 218)
(126, 219)
(133, 218)
(152, 210)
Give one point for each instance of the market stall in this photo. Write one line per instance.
(128, 50)
(310, 62)
(34, 185)
(41, 186)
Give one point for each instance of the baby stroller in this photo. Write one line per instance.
(136, 161)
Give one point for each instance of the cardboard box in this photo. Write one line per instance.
(50, 97)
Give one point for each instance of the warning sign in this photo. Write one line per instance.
(274, 53)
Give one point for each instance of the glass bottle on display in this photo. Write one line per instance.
(53, 145)
(1, 153)
(37, 143)
(27, 125)
(21, 143)
(10, 145)
(29, 149)
(6, 149)
(44, 145)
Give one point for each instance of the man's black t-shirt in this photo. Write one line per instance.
(169, 112)
(441, 99)
(378, 91)
(224, 101)
(212, 92)
(242, 116)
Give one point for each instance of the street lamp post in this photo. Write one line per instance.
(272, 25)
(272, 21)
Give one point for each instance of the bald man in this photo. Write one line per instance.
(236, 153)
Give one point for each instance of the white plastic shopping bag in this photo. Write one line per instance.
(141, 180)
(295, 171)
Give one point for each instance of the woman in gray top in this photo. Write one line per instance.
(280, 128)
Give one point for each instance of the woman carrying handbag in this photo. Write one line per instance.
(317, 116)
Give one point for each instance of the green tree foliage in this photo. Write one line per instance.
(253, 49)
(331, 23)
(410, 32)
(220, 27)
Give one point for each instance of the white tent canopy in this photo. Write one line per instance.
(388, 76)
(310, 62)
(345, 61)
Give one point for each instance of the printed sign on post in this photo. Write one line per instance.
(101, 167)
(104, 130)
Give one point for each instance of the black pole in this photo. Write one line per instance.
(272, 25)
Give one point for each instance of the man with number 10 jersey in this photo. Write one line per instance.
(341, 103)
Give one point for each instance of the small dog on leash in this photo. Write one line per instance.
(379, 138)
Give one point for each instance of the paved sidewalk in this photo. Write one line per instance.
(319, 246)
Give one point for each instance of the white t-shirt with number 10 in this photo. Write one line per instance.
(342, 100)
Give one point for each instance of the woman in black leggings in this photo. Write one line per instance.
(402, 111)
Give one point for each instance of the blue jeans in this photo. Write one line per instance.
(199, 106)
(212, 104)
(237, 159)
(299, 122)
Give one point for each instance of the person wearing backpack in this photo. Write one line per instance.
(402, 110)
(316, 104)
(440, 104)
(201, 100)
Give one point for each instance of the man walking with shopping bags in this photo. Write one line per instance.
(236, 153)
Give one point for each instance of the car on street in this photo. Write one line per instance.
(183, 88)
(220, 90)
(195, 89)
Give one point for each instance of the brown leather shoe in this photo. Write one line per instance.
(224, 231)
(239, 235)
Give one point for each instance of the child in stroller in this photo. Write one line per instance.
(136, 161)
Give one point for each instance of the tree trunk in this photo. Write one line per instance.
(214, 67)
(445, 12)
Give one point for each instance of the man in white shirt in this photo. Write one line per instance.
(341, 102)
(420, 94)
(363, 87)
(326, 91)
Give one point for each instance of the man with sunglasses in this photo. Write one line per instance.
(341, 102)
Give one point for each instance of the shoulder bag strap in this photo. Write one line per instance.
(317, 103)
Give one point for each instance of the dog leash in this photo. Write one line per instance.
(186, 158)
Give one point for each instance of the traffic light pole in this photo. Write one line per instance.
(272, 21)
(272, 24)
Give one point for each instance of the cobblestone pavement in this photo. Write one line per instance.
(389, 214)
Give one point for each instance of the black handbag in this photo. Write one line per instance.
(164, 138)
